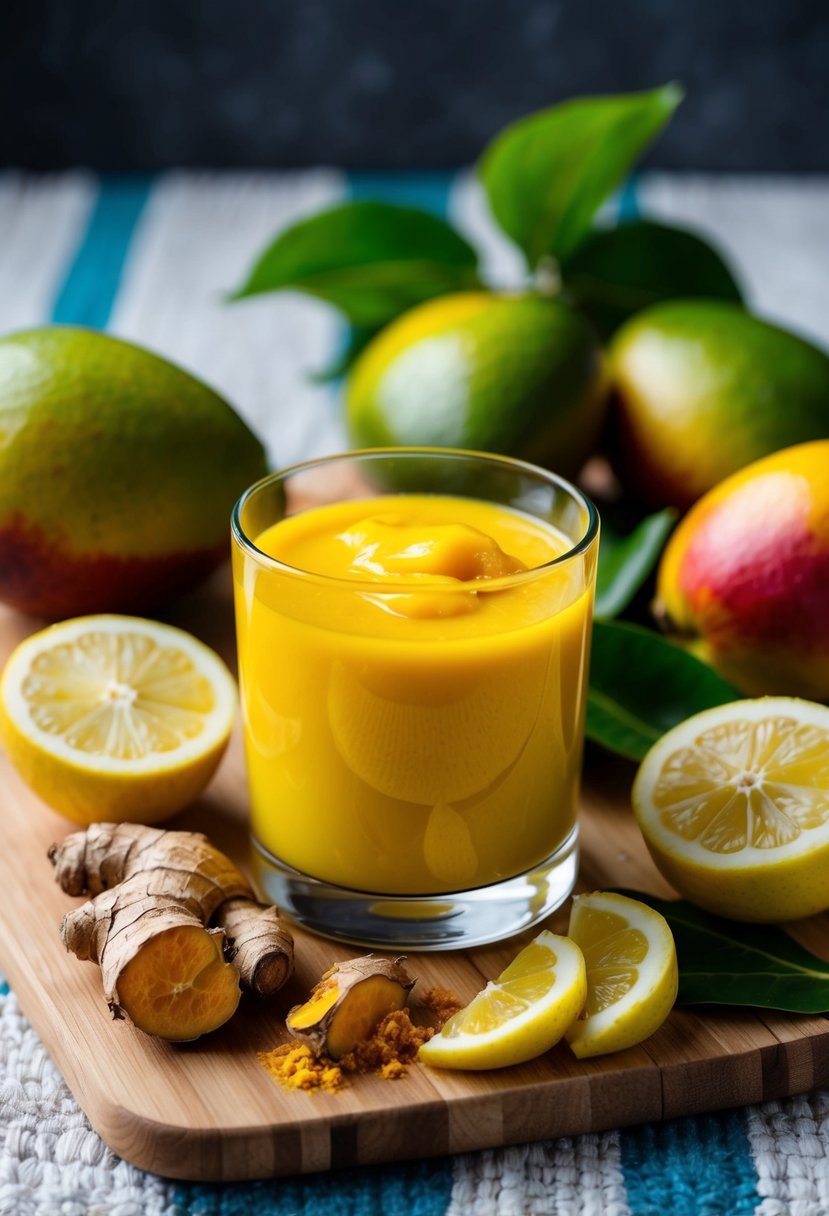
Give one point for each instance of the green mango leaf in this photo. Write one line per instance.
(356, 342)
(626, 561)
(725, 963)
(641, 685)
(547, 174)
(622, 270)
(371, 260)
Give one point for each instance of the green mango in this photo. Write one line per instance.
(701, 389)
(118, 472)
(521, 375)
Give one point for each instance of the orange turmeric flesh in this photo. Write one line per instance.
(178, 985)
(357, 1017)
(324, 997)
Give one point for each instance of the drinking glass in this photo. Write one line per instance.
(414, 749)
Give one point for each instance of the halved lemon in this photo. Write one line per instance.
(115, 718)
(632, 974)
(518, 1016)
(734, 808)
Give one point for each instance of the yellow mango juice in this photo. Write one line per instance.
(413, 672)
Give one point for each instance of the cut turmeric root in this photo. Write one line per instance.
(167, 913)
(348, 1003)
(180, 986)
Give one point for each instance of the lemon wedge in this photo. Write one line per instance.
(632, 974)
(518, 1016)
(115, 718)
(734, 808)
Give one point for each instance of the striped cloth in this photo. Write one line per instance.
(152, 259)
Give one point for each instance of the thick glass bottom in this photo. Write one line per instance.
(421, 922)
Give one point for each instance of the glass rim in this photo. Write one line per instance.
(402, 585)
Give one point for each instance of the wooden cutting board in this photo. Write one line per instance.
(208, 1110)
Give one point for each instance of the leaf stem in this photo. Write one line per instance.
(547, 280)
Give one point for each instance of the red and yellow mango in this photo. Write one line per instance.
(746, 575)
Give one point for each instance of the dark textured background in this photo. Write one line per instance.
(143, 84)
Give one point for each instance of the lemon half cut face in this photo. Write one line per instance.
(112, 717)
(734, 807)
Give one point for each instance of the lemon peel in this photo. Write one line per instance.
(115, 718)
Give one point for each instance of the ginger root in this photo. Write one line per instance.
(347, 1004)
(167, 914)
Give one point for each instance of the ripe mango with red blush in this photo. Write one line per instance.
(745, 577)
(118, 472)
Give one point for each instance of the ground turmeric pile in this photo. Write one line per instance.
(173, 925)
(397, 1038)
(387, 1049)
(295, 1066)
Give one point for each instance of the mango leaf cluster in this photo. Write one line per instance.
(545, 178)
(371, 260)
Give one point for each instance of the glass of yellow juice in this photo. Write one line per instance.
(413, 630)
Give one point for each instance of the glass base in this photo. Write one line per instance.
(421, 922)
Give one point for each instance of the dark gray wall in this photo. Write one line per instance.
(389, 83)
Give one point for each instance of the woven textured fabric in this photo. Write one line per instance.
(51, 1161)
(152, 260)
(690, 1167)
(578, 1176)
(790, 1142)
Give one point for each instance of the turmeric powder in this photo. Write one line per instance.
(441, 1004)
(296, 1067)
(395, 1041)
(387, 1052)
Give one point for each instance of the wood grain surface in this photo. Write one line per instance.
(208, 1110)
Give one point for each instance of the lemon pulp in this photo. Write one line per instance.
(123, 695)
(747, 784)
(613, 952)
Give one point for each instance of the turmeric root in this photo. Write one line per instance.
(262, 949)
(148, 926)
(348, 1003)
